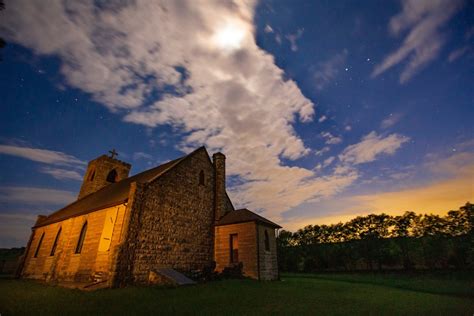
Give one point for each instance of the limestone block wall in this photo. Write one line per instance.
(65, 265)
(176, 220)
(267, 258)
(247, 240)
(95, 177)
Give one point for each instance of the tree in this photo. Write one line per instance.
(403, 227)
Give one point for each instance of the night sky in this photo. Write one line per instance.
(325, 109)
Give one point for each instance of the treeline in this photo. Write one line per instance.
(382, 242)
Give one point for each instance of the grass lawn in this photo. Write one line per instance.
(451, 283)
(293, 295)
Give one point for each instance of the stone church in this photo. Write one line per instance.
(121, 229)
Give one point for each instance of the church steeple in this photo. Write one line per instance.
(103, 171)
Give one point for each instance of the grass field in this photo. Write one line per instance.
(295, 294)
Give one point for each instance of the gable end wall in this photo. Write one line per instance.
(176, 221)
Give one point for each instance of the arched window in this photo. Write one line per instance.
(55, 244)
(39, 245)
(112, 176)
(92, 175)
(267, 241)
(82, 236)
(201, 178)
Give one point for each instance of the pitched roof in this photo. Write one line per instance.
(242, 216)
(113, 194)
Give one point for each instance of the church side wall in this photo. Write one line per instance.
(268, 263)
(176, 221)
(247, 244)
(65, 265)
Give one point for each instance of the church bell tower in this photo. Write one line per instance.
(103, 171)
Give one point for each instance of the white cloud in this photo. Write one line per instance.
(322, 151)
(228, 94)
(62, 174)
(457, 53)
(331, 139)
(278, 39)
(141, 155)
(268, 29)
(35, 196)
(423, 20)
(322, 118)
(292, 38)
(370, 147)
(327, 71)
(391, 120)
(328, 161)
(40, 155)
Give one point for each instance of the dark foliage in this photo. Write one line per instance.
(382, 242)
(208, 273)
(233, 272)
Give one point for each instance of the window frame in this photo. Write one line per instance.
(266, 241)
(39, 246)
(82, 238)
(109, 175)
(56, 241)
(92, 175)
(234, 252)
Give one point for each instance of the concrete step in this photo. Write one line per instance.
(169, 276)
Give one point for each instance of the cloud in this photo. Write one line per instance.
(452, 165)
(278, 39)
(391, 120)
(292, 38)
(457, 53)
(216, 87)
(322, 151)
(36, 196)
(327, 71)
(15, 229)
(370, 147)
(328, 161)
(40, 155)
(330, 138)
(62, 174)
(268, 29)
(437, 196)
(141, 155)
(424, 21)
(322, 118)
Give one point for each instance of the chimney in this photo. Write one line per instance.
(218, 160)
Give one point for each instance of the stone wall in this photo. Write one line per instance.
(65, 265)
(267, 259)
(247, 237)
(176, 220)
(95, 177)
(121, 267)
